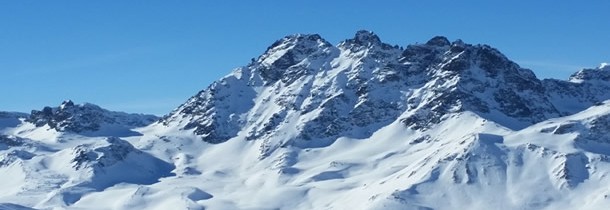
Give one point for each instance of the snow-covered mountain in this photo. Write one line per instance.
(52, 157)
(310, 125)
(320, 92)
(583, 89)
(88, 119)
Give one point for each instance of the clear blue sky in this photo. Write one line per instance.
(149, 56)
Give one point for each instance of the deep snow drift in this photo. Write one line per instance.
(309, 125)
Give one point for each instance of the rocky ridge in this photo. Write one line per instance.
(361, 84)
(78, 118)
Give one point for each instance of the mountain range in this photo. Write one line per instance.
(311, 125)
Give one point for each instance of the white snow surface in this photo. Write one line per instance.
(363, 125)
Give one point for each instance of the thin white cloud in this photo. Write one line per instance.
(536, 65)
(157, 106)
(84, 62)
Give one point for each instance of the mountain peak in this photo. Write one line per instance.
(439, 41)
(365, 37)
(362, 39)
(601, 73)
(362, 83)
(288, 53)
(433, 126)
(85, 118)
(284, 52)
(303, 40)
(65, 104)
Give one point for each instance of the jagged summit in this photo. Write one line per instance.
(287, 56)
(438, 41)
(293, 45)
(86, 117)
(66, 104)
(304, 83)
(601, 73)
(360, 125)
(364, 38)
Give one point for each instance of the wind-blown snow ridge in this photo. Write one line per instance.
(310, 125)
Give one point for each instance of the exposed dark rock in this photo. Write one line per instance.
(372, 85)
(85, 118)
(439, 41)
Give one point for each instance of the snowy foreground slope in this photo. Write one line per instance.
(309, 125)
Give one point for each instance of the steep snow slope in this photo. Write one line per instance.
(52, 175)
(448, 166)
(313, 92)
(309, 125)
(53, 157)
